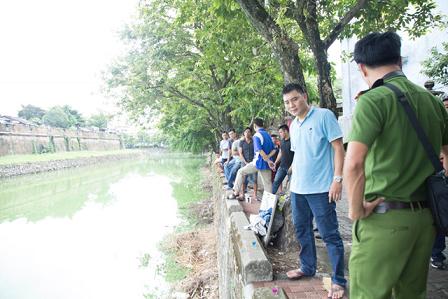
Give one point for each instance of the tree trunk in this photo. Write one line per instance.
(284, 48)
(308, 22)
(228, 119)
(287, 54)
(327, 99)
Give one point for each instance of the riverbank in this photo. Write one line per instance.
(16, 165)
(195, 250)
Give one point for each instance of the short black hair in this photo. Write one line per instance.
(274, 135)
(232, 130)
(378, 49)
(248, 128)
(259, 122)
(293, 86)
(284, 127)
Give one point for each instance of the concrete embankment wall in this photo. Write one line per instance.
(241, 257)
(22, 139)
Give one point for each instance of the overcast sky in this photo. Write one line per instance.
(52, 52)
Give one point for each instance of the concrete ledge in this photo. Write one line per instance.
(232, 205)
(253, 263)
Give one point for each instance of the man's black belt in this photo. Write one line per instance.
(398, 205)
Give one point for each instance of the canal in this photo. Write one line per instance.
(94, 232)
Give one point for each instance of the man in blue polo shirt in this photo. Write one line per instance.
(263, 149)
(316, 184)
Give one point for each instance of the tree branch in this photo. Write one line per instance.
(284, 47)
(250, 74)
(194, 102)
(343, 22)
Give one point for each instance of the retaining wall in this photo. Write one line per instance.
(241, 256)
(23, 139)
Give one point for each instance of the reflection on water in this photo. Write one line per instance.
(91, 232)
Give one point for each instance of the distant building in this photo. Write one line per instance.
(413, 53)
(11, 120)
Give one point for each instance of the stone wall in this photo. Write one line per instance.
(241, 256)
(23, 139)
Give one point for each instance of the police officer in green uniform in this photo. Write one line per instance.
(385, 172)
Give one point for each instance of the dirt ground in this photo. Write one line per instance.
(196, 250)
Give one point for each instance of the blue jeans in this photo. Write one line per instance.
(438, 248)
(230, 171)
(305, 207)
(279, 177)
(227, 168)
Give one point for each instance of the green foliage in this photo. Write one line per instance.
(31, 113)
(436, 66)
(99, 120)
(315, 24)
(75, 117)
(415, 17)
(199, 68)
(143, 140)
(56, 117)
(39, 148)
(63, 117)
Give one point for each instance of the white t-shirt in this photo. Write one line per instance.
(224, 146)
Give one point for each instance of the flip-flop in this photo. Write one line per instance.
(295, 274)
(335, 288)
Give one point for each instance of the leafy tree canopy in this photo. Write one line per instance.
(32, 113)
(201, 67)
(294, 27)
(98, 120)
(63, 117)
(57, 117)
(76, 119)
(436, 66)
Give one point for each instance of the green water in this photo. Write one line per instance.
(93, 232)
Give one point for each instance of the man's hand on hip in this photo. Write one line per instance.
(369, 206)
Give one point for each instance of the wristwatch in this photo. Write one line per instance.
(337, 179)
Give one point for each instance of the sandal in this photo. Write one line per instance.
(336, 292)
(295, 274)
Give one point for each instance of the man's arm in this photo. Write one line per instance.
(240, 151)
(336, 188)
(266, 157)
(354, 177)
(278, 157)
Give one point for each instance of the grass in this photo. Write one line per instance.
(21, 159)
(186, 192)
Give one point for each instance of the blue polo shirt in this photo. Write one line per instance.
(313, 164)
(262, 141)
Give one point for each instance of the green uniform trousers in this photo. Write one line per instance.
(390, 255)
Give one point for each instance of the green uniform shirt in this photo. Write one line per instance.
(396, 165)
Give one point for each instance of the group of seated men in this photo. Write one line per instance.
(241, 161)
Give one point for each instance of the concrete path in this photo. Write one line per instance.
(307, 288)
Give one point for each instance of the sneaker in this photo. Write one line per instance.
(439, 265)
